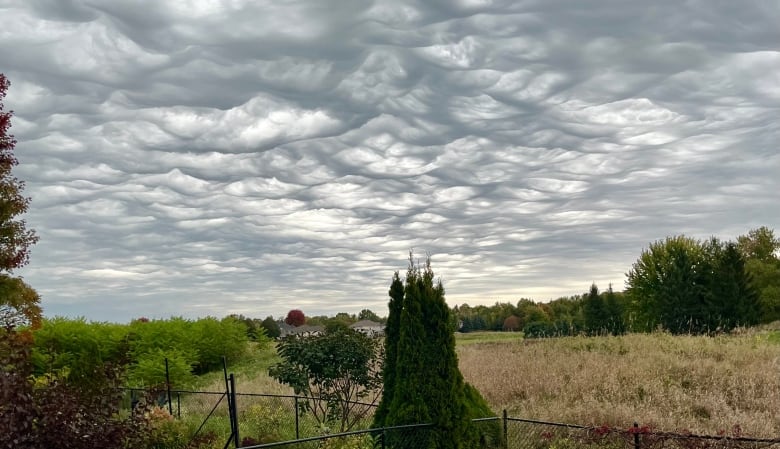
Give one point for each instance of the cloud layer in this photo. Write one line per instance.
(210, 157)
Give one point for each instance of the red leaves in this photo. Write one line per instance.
(295, 318)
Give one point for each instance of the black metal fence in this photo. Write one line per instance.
(528, 434)
(270, 421)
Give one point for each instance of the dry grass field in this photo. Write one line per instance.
(695, 383)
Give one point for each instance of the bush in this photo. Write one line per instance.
(77, 350)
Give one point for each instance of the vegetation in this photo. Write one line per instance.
(668, 382)
(295, 318)
(687, 286)
(427, 386)
(19, 303)
(76, 349)
(341, 368)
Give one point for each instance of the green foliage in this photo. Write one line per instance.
(339, 368)
(59, 414)
(686, 286)
(271, 327)
(595, 312)
(77, 349)
(759, 244)
(214, 339)
(760, 248)
(149, 370)
(392, 335)
(427, 386)
(19, 303)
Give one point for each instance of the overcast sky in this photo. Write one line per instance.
(207, 157)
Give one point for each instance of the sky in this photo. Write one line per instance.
(206, 157)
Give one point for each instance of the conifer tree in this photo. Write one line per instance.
(392, 331)
(425, 385)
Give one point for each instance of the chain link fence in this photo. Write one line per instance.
(267, 420)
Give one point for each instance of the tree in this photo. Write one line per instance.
(427, 386)
(616, 323)
(760, 251)
(595, 312)
(511, 324)
(341, 369)
(295, 318)
(686, 286)
(392, 334)
(367, 314)
(760, 244)
(271, 327)
(19, 302)
(667, 285)
(733, 299)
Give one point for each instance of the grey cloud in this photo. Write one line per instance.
(196, 158)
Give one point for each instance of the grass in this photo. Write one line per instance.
(700, 384)
(486, 337)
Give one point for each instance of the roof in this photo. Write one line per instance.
(366, 323)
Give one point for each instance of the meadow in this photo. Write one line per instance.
(699, 384)
(704, 385)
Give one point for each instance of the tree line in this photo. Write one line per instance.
(678, 284)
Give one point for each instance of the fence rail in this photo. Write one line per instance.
(280, 421)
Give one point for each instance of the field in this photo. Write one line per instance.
(700, 384)
(694, 383)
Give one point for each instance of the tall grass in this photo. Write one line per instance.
(695, 383)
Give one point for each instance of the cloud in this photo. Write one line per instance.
(202, 157)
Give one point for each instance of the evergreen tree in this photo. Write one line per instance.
(595, 312)
(427, 386)
(614, 311)
(392, 333)
(734, 301)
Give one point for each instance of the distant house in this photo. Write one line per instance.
(370, 328)
(286, 330)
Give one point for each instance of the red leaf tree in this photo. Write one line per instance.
(295, 318)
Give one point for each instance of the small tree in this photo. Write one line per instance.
(295, 318)
(334, 370)
(511, 324)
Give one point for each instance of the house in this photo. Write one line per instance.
(370, 328)
(286, 330)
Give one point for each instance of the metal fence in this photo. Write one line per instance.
(270, 421)
(526, 434)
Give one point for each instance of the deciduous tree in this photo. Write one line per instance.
(19, 303)
(295, 318)
(341, 368)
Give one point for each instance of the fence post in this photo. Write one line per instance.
(234, 410)
(506, 431)
(168, 387)
(297, 431)
(383, 436)
(636, 435)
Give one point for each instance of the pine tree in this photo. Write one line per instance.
(595, 312)
(427, 386)
(392, 333)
